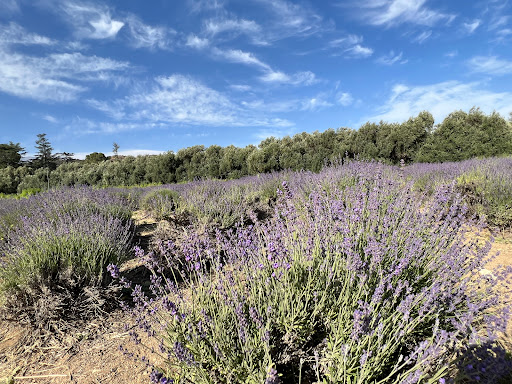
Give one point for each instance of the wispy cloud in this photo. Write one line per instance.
(270, 75)
(291, 19)
(472, 26)
(240, 87)
(90, 21)
(95, 20)
(299, 78)
(196, 6)
(391, 13)
(55, 77)
(359, 51)
(504, 33)
(315, 103)
(146, 36)
(490, 65)
(422, 37)
(440, 99)
(50, 119)
(344, 99)
(349, 46)
(179, 99)
(452, 54)
(242, 57)
(391, 58)
(9, 6)
(13, 33)
(234, 27)
(345, 41)
(196, 42)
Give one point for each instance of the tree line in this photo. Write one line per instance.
(461, 135)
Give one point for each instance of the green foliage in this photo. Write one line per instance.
(29, 192)
(55, 248)
(11, 177)
(44, 157)
(460, 136)
(489, 196)
(162, 203)
(95, 157)
(466, 135)
(10, 154)
(393, 142)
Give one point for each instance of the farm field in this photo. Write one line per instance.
(362, 273)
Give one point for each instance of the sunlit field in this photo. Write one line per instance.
(361, 273)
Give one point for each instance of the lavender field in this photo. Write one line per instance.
(361, 273)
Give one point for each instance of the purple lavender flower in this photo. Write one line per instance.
(114, 270)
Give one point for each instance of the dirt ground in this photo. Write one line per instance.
(93, 354)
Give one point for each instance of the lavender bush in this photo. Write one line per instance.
(359, 284)
(486, 184)
(56, 251)
(162, 203)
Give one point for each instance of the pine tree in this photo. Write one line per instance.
(44, 157)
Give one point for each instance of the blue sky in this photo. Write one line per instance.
(161, 75)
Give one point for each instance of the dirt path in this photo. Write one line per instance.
(503, 246)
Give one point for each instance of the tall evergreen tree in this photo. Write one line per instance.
(44, 157)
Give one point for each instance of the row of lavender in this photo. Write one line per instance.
(485, 183)
(359, 274)
(363, 273)
(54, 249)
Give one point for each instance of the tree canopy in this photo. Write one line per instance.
(11, 154)
(461, 135)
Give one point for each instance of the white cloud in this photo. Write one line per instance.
(81, 126)
(349, 46)
(196, 42)
(90, 21)
(54, 77)
(240, 87)
(316, 103)
(471, 27)
(358, 51)
(392, 13)
(391, 59)
(205, 5)
(291, 19)
(451, 54)
(440, 99)
(503, 33)
(491, 65)
(9, 6)
(27, 80)
(344, 99)
(270, 75)
(242, 57)
(80, 67)
(179, 99)
(50, 119)
(298, 78)
(345, 41)
(13, 33)
(146, 36)
(250, 28)
(422, 37)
